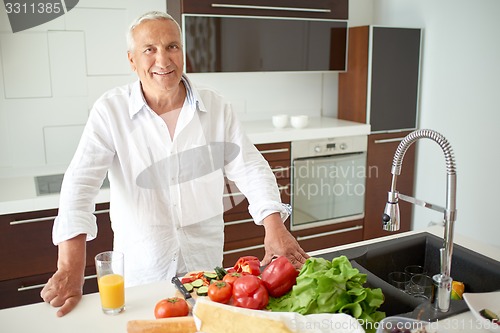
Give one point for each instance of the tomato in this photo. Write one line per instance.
(171, 307)
(231, 277)
(220, 291)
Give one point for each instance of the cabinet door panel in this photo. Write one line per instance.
(381, 149)
(394, 78)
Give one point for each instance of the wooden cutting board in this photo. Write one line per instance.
(170, 325)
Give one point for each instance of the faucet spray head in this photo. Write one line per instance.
(390, 218)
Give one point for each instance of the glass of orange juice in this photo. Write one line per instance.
(110, 268)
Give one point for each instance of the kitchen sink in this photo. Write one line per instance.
(479, 273)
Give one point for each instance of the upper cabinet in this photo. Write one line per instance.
(259, 36)
(323, 9)
(381, 84)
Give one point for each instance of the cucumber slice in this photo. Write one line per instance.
(197, 283)
(202, 291)
(488, 314)
(210, 275)
(189, 287)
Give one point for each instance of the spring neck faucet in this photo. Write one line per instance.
(390, 218)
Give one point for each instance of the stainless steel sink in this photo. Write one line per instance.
(479, 273)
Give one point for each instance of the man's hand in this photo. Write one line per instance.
(65, 288)
(279, 241)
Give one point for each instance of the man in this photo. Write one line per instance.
(166, 147)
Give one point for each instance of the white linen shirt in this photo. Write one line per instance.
(166, 195)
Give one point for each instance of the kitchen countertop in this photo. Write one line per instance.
(140, 302)
(18, 194)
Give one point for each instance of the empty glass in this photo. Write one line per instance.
(399, 280)
(421, 286)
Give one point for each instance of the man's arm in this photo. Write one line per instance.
(279, 241)
(65, 288)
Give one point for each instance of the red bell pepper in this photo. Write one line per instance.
(248, 264)
(250, 293)
(279, 277)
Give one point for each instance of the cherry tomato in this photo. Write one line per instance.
(220, 291)
(171, 307)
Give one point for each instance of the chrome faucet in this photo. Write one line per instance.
(443, 280)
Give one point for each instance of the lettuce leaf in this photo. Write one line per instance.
(325, 286)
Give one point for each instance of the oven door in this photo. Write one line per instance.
(327, 190)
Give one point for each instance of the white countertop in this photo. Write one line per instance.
(18, 194)
(140, 302)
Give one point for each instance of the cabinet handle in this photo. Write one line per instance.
(225, 195)
(297, 9)
(328, 233)
(39, 219)
(272, 151)
(244, 249)
(388, 140)
(280, 169)
(238, 222)
(48, 218)
(36, 286)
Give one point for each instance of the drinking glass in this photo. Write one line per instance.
(110, 279)
(399, 280)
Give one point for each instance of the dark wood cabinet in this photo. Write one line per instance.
(381, 149)
(29, 258)
(320, 9)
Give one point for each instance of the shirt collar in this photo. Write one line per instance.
(138, 102)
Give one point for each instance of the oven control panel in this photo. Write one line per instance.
(329, 146)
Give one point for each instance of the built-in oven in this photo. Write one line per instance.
(328, 181)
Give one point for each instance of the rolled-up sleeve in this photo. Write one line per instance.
(82, 181)
(253, 175)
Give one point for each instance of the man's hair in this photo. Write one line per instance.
(149, 16)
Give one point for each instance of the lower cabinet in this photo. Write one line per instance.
(29, 258)
(381, 149)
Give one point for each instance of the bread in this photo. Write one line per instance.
(170, 325)
(220, 318)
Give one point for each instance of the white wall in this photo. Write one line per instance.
(460, 99)
(50, 76)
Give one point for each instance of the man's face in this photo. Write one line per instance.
(157, 56)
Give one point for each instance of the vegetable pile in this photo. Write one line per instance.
(329, 287)
(244, 286)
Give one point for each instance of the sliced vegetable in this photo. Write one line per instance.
(279, 277)
(221, 272)
(250, 293)
(197, 283)
(248, 264)
(488, 314)
(189, 287)
(210, 276)
(202, 291)
(220, 291)
(332, 286)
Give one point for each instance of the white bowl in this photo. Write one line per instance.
(478, 301)
(299, 121)
(280, 120)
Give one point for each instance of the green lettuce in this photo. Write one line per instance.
(332, 287)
